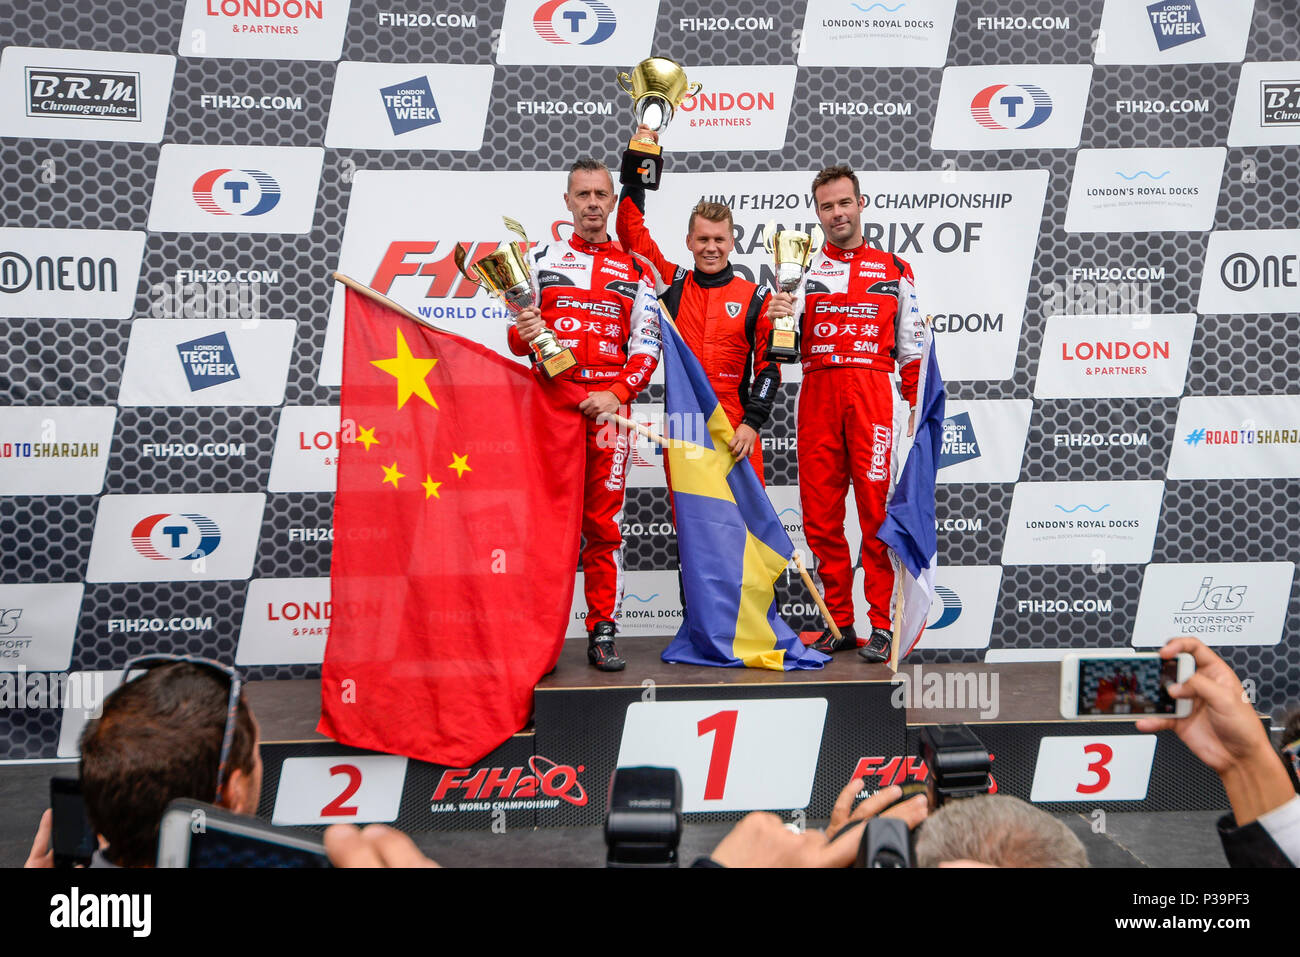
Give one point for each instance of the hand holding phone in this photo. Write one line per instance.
(194, 834)
(1107, 687)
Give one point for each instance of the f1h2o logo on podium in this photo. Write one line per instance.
(236, 192)
(175, 537)
(574, 22)
(1011, 106)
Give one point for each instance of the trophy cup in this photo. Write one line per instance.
(792, 251)
(657, 86)
(507, 274)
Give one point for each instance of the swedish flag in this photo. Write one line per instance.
(732, 546)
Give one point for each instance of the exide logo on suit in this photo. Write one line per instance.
(164, 537)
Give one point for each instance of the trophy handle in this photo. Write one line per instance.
(818, 240)
(458, 254)
(517, 228)
(694, 88)
(625, 82)
(769, 231)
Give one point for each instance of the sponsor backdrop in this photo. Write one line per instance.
(1098, 201)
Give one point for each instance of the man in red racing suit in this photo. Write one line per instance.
(721, 315)
(601, 304)
(860, 323)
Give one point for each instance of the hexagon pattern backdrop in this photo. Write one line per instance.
(1208, 88)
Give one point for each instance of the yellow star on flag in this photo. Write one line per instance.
(460, 463)
(409, 371)
(367, 438)
(431, 487)
(391, 474)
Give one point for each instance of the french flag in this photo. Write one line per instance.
(908, 529)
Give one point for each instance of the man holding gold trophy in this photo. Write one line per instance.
(721, 316)
(856, 323)
(599, 303)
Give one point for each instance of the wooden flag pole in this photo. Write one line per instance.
(807, 580)
(898, 625)
(384, 300)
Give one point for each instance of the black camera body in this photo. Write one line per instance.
(643, 817)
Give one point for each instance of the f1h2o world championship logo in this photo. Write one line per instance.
(1011, 106)
(578, 22)
(236, 192)
(175, 537)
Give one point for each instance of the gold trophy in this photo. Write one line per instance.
(507, 274)
(657, 87)
(792, 251)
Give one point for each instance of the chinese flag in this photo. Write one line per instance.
(456, 528)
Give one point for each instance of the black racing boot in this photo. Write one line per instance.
(827, 643)
(877, 649)
(600, 648)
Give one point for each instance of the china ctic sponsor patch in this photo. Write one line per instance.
(264, 29)
(235, 189)
(151, 538)
(206, 362)
(1011, 107)
(577, 32)
(84, 94)
(398, 106)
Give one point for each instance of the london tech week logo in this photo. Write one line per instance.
(1175, 22)
(175, 537)
(236, 192)
(208, 361)
(574, 22)
(410, 105)
(1011, 106)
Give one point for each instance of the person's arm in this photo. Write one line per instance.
(767, 375)
(1224, 732)
(643, 344)
(909, 334)
(635, 238)
(530, 320)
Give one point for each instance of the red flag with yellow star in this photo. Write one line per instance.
(456, 528)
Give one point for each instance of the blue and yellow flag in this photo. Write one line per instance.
(732, 546)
